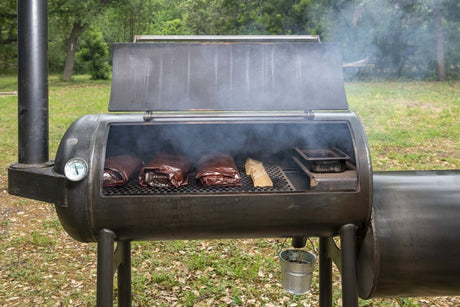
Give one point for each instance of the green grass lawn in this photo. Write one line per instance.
(410, 125)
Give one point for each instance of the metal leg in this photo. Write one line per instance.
(105, 247)
(349, 284)
(325, 274)
(124, 274)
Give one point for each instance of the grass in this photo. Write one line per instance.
(410, 125)
(67, 102)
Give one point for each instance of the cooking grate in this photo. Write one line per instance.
(280, 184)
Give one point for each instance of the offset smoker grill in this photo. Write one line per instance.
(260, 97)
(289, 208)
(203, 74)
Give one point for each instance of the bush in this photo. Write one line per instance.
(94, 55)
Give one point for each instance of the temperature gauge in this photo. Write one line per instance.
(76, 169)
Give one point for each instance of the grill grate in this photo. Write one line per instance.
(280, 184)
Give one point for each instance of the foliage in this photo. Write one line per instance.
(75, 17)
(451, 13)
(8, 35)
(133, 17)
(396, 37)
(94, 53)
(248, 17)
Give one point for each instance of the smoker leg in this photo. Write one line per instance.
(325, 274)
(348, 247)
(105, 246)
(124, 273)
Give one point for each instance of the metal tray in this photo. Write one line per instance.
(344, 181)
(322, 154)
(323, 160)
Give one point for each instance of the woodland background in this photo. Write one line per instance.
(384, 39)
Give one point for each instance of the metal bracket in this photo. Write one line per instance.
(334, 253)
(38, 182)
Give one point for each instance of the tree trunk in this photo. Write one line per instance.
(439, 41)
(77, 29)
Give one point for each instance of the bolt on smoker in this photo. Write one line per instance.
(276, 99)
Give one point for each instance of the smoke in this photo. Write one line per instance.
(393, 38)
(227, 76)
(272, 143)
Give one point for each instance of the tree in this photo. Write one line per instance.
(439, 41)
(136, 17)
(398, 37)
(8, 35)
(94, 52)
(249, 17)
(75, 17)
(450, 12)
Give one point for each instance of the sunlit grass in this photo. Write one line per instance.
(410, 125)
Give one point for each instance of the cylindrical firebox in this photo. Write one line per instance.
(411, 247)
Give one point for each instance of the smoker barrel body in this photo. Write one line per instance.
(229, 213)
(412, 246)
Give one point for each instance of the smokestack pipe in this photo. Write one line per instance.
(32, 82)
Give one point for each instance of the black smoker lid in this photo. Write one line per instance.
(227, 75)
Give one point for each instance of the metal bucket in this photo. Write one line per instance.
(297, 268)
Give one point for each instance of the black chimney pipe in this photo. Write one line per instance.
(32, 82)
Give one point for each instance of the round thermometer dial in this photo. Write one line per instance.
(76, 169)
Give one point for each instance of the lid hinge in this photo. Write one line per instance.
(148, 116)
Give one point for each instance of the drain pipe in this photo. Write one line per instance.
(32, 83)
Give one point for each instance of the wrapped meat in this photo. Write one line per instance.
(119, 169)
(218, 169)
(165, 170)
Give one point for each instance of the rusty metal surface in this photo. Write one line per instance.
(227, 76)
